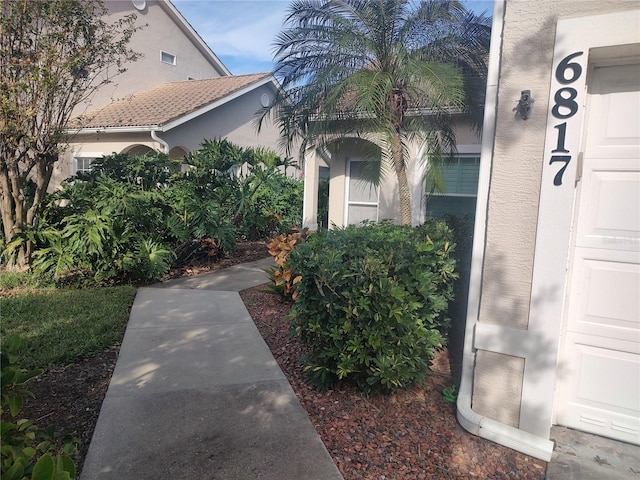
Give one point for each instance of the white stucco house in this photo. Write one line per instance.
(553, 323)
(180, 93)
(177, 95)
(352, 199)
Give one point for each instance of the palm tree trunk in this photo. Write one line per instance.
(400, 168)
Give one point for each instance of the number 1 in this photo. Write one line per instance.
(562, 134)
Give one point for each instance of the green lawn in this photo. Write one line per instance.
(60, 326)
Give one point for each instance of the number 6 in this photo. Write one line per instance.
(566, 64)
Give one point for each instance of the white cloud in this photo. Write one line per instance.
(241, 29)
(242, 32)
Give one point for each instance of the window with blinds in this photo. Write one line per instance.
(460, 176)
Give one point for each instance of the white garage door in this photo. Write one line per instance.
(599, 371)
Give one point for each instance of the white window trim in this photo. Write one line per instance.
(77, 155)
(175, 58)
(445, 194)
(347, 189)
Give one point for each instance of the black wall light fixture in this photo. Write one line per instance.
(524, 104)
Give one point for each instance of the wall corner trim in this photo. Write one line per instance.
(500, 433)
(469, 419)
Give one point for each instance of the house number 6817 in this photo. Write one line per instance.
(565, 106)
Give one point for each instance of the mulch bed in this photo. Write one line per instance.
(204, 261)
(412, 434)
(70, 397)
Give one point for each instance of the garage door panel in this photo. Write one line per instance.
(601, 398)
(606, 298)
(605, 372)
(617, 100)
(612, 217)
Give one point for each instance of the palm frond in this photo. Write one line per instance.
(386, 71)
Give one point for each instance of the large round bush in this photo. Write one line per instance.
(371, 302)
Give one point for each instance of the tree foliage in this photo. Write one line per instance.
(55, 54)
(390, 71)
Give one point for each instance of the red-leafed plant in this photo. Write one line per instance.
(283, 279)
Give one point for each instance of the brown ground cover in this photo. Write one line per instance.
(412, 434)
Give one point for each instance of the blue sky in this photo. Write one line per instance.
(241, 32)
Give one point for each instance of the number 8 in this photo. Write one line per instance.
(568, 102)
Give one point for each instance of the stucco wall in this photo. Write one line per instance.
(233, 120)
(512, 213)
(159, 32)
(501, 388)
(466, 136)
(388, 206)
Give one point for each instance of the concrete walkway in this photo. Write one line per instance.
(196, 393)
(582, 456)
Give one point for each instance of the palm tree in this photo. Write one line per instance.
(390, 71)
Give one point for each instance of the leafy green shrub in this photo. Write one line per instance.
(276, 207)
(134, 217)
(450, 395)
(146, 171)
(150, 260)
(248, 184)
(112, 224)
(193, 219)
(94, 230)
(371, 302)
(96, 247)
(28, 451)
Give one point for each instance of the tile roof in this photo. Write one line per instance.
(166, 102)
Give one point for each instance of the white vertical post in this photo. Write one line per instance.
(310, 195)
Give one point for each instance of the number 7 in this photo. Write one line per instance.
(557, 180)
